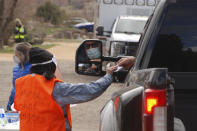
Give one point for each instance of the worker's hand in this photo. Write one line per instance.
(111, 69)
(126, 63)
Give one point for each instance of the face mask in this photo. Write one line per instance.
(94, 53)
(16, 60)
(54, 60)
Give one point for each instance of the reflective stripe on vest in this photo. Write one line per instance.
(22, 30)
(20, 34)
(38, 110)
(16, 36)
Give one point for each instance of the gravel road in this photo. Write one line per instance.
(85, 116)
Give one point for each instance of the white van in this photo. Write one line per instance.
(106, 11)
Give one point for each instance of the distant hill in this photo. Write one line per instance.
(66, 2)
(74, 8)
(57, 2)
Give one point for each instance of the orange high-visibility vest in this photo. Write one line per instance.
(38, 109)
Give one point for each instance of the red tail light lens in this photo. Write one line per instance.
(154, 98)
(150, 104)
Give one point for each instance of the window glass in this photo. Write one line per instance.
(176, 45)
(118, 2)
(107, 1)
(130, 26)
(151, 2)
(140, 2)
(129, 2)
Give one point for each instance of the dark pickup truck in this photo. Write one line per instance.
(162, 85)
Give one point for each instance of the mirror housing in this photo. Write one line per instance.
(92, 66)
(88, 59)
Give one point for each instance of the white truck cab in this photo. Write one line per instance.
(125, 35)
(115, 20)
(128, 28)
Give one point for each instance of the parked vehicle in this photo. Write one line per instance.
(106, 11)
(86, 27)
(124, 39)
(121, 23)
(150, 99)
(125, 35)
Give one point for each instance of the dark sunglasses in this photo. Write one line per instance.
(87, 46)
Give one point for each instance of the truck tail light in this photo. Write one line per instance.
(154, 98)
(155, 110)
(150, 104)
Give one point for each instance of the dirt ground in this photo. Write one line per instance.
(63, 51)
(85, 116)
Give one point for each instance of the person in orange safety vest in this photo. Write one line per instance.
(44, 101)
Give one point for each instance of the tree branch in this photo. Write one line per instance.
(11, 15)
(2, 4)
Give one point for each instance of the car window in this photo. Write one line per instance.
(176, 44)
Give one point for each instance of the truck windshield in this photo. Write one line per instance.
(130, 26)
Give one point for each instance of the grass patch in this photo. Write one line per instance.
(7, 50)
(45, 46)
(66, 40)
(10, 50)
(52, 30)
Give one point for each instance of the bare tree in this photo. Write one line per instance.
(6, 17)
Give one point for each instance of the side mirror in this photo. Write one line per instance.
(100, 30)
(88, 59)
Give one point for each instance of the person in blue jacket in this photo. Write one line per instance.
(21, 58)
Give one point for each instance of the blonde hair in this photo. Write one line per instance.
(19, 21)
(23, 48)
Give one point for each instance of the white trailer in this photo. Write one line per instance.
(108, 10)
